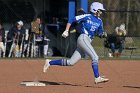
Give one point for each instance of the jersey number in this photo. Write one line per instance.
(93, 28)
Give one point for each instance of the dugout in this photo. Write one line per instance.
(55, 13)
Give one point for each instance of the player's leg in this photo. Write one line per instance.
(84, 43)
(64, 62)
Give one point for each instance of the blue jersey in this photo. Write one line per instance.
(91, 25)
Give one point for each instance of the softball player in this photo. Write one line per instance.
(91, 25)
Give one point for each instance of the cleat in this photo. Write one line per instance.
(101, 80)
(46, 66)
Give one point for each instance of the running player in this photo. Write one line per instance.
(91, 25)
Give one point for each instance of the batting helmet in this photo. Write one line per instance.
(95, 6)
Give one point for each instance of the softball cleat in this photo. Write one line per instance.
(101, 80)
(46, 66)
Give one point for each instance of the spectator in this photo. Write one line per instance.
(2, 39)
(116, 41)
(46, 41)
(10, 37)
(39, 34)
(15, 39)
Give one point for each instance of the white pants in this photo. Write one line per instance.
(46, 49)
(83, 46)
(2, 47)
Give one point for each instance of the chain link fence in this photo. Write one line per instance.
(54, 13)
(118, 12)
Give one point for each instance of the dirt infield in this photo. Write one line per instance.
(124, 77)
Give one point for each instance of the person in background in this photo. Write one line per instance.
(15, 39)
(36, 37)
(2, 39)
(39, 36)
(117, 41)
(9, 43)
(46, 41)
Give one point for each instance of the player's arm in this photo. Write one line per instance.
(101, 32)
(75, 19)
(66, 32)
(68, 26)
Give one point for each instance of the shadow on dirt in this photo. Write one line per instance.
(137, 87)
(47, 83)
(63, 83)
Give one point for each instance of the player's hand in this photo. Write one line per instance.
(65, 34)
(104, 35)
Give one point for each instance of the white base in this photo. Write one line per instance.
(32, 83)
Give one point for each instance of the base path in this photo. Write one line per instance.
(124, 77)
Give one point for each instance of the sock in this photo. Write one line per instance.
(56, 62)
(61, 62)
(95, 69)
